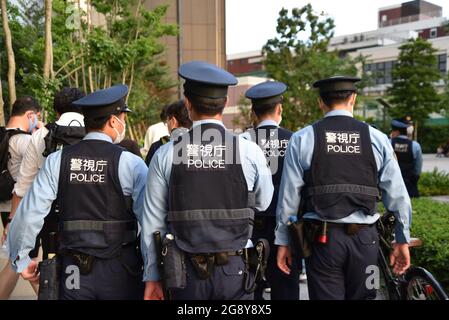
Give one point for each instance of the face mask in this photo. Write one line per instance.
(120, 136)
(32, 125)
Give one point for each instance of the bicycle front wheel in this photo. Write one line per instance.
(422, 285)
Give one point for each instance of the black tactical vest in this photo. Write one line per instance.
(404, 153)
(273, 141)
(95, 216)
(342, 178)
(210, 209)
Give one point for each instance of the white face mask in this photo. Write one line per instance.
(120, 136)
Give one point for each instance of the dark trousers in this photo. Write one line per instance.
(225, 283)
(109, 279)
(283, 286)
(340, 269)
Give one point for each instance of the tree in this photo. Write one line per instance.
(2, 104)
(299, 56)
(48, 62)
(413, 92)
(10, 53)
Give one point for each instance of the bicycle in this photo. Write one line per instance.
(417, 283)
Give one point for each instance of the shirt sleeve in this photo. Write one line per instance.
(132, 175)
(417, 154)
(263, 184)
(31, 163)
(155, 208)
(30, 214)
(290, 189)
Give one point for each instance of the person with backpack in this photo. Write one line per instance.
(67, 130)
(14, 139)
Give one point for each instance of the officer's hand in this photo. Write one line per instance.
(400, 258)
(31, 273)
(284, 259)
(153, 291)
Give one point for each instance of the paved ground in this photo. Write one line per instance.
(24, 291)
(430, 161)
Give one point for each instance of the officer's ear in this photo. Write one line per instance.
(279, 109)
(352, 99)
(322, 106)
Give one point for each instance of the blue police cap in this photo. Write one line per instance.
(206, 80)
(266, 92)
(104, 102)
(398, 124)
(336, 83)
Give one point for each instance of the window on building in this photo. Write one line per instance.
(433, 33)
(384, 18)
(442, 63)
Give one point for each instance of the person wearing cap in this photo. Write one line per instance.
(202, 191)
(266, 100)
(408, 153)
(333, 171)
(98, 187)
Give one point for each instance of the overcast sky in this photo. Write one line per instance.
(249, 23)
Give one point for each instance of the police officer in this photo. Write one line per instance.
(206, 185)
(408, 153)
(334, 168)
(266, 101)
(98, 187)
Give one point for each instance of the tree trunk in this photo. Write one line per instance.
(10, 53)
(83, 74)
(2, 104)
(48, 63)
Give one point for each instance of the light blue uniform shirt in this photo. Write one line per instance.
(155, 206)
(36, 204)
(298, 159)
(417, 154)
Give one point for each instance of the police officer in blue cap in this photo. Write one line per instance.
(266, 99)
(333, 171)
(408, 153)
(201, 195)
(98, 187)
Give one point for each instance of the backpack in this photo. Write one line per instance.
(60, 136)
(6, 180)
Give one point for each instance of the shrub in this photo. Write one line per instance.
(434, 183)
(430, 223)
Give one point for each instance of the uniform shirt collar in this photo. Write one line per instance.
(71, 119)
(177, 132)
(334, 113)
(95, 135)
(201, 122)
(268, 123)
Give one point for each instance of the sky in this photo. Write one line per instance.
(250, 23)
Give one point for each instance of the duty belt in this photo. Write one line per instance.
(350, 228)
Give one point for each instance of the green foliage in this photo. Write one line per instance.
(430, 224)
(298, 56)
(413, 92)
(127, 49)
(434, 183)
(430, 137)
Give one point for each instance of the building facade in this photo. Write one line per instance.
(202, 31)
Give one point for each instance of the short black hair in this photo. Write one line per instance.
(330, 99)
(95, 124)
(206, 106)
(163, 114)
(24, 104)
(264, 109)
(402, 131)
(63, 100)
(178, 110)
